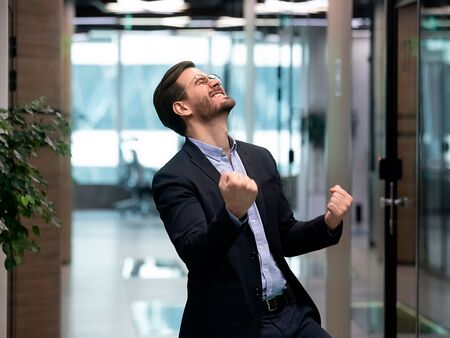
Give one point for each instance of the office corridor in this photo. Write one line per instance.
(104, 297)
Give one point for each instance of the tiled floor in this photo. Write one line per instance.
(98, 302)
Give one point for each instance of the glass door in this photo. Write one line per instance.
(398, 170)
(433, 274)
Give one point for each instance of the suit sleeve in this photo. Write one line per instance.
(196, 240)
(300, 237)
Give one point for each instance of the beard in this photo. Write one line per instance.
(209, 110)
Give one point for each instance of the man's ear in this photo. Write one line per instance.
(181, 109)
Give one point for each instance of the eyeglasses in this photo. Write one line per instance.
(200, 79)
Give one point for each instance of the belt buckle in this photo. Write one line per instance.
(269, 304)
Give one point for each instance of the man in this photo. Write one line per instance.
(222, 205)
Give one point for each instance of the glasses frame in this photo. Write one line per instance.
(206, 78)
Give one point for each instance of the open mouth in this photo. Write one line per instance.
(218, 93)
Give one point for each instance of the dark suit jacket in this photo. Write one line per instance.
(224, 280)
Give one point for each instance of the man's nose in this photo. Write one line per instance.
(214, 83)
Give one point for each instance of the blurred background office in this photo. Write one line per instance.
(349, 92)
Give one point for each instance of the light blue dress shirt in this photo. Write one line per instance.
(272, 278)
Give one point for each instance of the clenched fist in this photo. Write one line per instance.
(340, 202)
(238, 191)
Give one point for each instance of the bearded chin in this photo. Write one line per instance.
(226, 106)
(208, 111)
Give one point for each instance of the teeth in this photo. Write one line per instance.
(218, 94)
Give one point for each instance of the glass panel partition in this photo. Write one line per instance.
(434, 169)
(115, 74)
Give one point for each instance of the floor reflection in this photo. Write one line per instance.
(156, 318)
(151, 267)
(369, 316)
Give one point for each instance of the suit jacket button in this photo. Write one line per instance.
(253, 255)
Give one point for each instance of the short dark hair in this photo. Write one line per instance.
(166, 93)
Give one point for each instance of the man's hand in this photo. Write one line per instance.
(238, 191)
(340, 202)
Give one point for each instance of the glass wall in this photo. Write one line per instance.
(95, 145)
(434, 167)
(115, 73)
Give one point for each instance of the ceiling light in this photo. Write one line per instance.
(284, 7)
(177, 21)
(228, 21)
(140, 6)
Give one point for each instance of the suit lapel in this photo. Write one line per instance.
(200, 161)
(252, 172)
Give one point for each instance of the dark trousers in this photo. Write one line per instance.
(292, 321)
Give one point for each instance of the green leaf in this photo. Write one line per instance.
(24, 200)
(49, 141)
(34, 247)
(6, 248)
(23, 130)
(18, 259)
(36, 231)
(17, 246)
(18, 156)
(21, 232)
(55, 221)
(9, 263)
(3, 169)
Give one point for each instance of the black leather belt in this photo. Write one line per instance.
(276, 303)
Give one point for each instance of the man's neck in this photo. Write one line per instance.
(213, 133)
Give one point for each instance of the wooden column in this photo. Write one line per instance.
(3, 104)
(66, 201)
(338, 160)
(250, 17)
(35, 286)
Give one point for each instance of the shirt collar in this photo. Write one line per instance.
(212, 151)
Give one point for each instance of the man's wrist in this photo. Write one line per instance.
(244, 218)
(336, 230)
(238, 220)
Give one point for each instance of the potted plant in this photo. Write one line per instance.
(23, 130)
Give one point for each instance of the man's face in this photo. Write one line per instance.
(205, 94)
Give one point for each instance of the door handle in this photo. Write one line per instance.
(400, 202)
